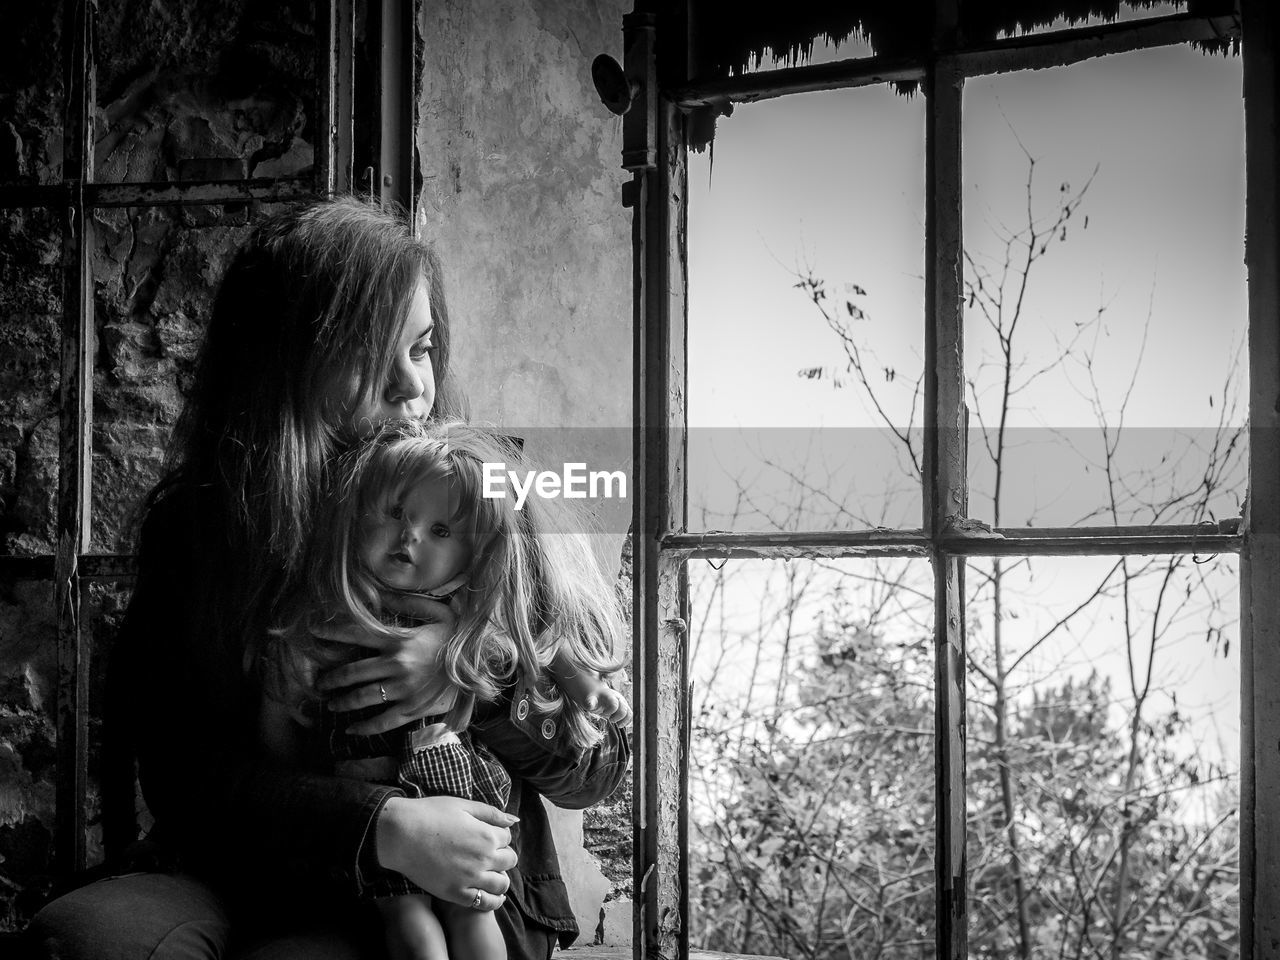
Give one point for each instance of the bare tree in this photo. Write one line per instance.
(816, 805)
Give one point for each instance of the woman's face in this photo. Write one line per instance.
(410, 388)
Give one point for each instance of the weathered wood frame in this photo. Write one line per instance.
(654, 148)
(391, 101)
(1260, 566)
(655, 139)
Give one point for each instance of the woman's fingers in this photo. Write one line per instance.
(489, 894)
(495, 818)
(408, 681)
(492, 885)
(361, 698)
(495, 884)
(404, 702)
(506, 859)
(406, 677)
(343, 631)
(396, 714)
(371, 670)
(450, 847)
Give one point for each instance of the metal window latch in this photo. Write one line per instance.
(616, 92)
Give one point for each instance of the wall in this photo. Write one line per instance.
(522, 176)
(521, 169)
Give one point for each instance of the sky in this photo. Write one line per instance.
(834, 182)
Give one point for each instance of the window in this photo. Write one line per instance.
(1061, 578)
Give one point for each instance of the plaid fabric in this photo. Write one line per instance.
(457, 766)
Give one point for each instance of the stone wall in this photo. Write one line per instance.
(521, 169)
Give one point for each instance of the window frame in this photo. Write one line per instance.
(656, 135)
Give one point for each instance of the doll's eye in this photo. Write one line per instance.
(395, 511)
(440, 530)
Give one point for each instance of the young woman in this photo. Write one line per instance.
(330, 320)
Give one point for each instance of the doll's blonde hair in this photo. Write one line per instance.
(533, 585)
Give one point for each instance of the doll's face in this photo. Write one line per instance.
(412, 543)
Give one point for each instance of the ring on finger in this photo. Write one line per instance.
(475, 904)
(383, 691)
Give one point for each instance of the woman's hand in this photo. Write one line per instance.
(452, 848)
(405, 675)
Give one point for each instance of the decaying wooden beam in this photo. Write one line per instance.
(1260, 558)
(655, 150)
(1037, 51)
(1061, 48)
(768, 84)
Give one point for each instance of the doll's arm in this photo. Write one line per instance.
(568, 776)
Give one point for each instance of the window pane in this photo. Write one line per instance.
(30, 339)
(1105, 328)
(155, 273)
(805, 315)
(1103, 757)
(32, 98)
(205, 92)
(811, 781)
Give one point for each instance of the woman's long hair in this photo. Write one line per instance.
(317, 295)
(533, 586)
